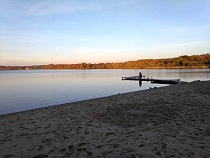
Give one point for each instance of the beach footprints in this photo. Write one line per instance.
(78, 150)
(40, 156)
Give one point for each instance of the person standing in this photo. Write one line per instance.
(140, 75)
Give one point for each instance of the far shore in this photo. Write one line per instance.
(172, 121)
(137, 68)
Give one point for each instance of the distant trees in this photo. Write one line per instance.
(194, 61)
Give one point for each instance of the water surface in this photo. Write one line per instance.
(25, 90)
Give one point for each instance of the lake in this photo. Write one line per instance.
(25, 90)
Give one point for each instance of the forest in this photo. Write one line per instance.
(193, 61)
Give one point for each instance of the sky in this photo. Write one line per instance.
(34, 32)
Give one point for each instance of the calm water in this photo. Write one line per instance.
(24, 90)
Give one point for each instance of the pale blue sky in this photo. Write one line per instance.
(74, 31)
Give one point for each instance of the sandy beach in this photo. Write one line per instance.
(172, 121)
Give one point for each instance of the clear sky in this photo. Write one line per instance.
(74, 31)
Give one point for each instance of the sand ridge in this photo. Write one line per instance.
(171, 121)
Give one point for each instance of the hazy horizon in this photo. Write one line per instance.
(74, 31)
(100, 62)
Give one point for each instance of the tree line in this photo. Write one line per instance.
(194, 61)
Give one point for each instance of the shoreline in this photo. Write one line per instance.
(171, 121)
(138, 68)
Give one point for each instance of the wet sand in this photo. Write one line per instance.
(171, 121)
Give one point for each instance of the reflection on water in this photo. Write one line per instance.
(24, 90)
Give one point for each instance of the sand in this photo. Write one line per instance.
(171, 121)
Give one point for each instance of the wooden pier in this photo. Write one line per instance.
(141, 78)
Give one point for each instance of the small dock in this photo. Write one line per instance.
(141, 78)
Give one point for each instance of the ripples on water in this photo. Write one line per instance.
(24, 90)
